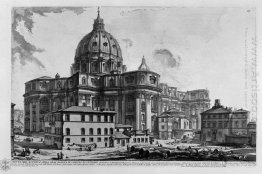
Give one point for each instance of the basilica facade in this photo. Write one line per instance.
(100, 80)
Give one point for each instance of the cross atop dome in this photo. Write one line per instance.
(98, 22)
(143, 66)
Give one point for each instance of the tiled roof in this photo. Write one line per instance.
(240, 111)
(119, 135)
(83, 109)
(123, 126)
(217, 110)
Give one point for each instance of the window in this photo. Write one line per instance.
(91, 139)
(225, 124)
(143, 117)
(220, 125)
(98, 118)
(106, 139)
(83, 117)
(134, 139)
(244, 124)
(236, 124)
(162, 127)
(91, 118)
(105, 118)
(118, 141)
(106, 131)
(99, 139)
(138, 140)
(83, 131)
(67, 140)
(143, 106)
(111, 131)
(214, 124)
(83, 80)
(67, 118)
(67, 131)
(162, 120)
(208, 134)
(83, 140)
(142, 140)
(152, 79)
(91, 131)
(98, 131)
(111, 119)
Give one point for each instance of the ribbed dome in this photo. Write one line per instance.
(98, 41)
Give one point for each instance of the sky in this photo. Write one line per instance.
(190, 47)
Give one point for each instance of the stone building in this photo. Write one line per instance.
(100, 80)
(222, 124)
(12, 128)
(175, 124)
(79, 125)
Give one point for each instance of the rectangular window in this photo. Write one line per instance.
(106, 139)
(236, 124)
(214, 124)
(83, 117)
(98, 118)
(162, 120)
(118, 141)
(105, 118)
(83, 140)
(220, 124)
(225, 124)
(91, 118)
(134, 140)
(99, 139)
(142, 140)
(111, 119)
(67, 118)
(162, 127)
(91, 140)
(67, 140)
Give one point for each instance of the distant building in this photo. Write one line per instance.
(223, 125)
(175, 124)
(79, 125)
(12, 128)
(251, 132)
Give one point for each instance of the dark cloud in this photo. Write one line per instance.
(128, 42)
(166, 58)
(20, 47)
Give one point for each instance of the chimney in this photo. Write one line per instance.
(217, 103)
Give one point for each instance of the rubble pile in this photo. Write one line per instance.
(188, 153)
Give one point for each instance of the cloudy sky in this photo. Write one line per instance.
(191, 48)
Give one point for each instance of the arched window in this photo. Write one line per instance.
(106, 131)
(83, 131)
(111, 131)
(98, 131)
(67, 131)
(83, 80)
(91, 132)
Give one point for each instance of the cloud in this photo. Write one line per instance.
(22, 49)
(167, 59)
(128, 42)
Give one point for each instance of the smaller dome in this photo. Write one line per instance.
(143, 66)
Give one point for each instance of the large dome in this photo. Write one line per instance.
(99, 41)
(98, 52)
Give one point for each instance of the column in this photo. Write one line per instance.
(148, 112)
(117, 111)
(137, 113)
(123, 113)
(138, 108)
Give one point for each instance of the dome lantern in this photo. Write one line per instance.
(143, 66)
